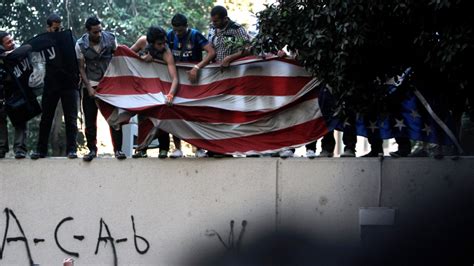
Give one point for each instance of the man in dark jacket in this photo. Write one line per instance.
(58, 87)
(7, 46)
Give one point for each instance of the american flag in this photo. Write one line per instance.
(413, 116)
(254, 106)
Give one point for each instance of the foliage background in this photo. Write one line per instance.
(354, 44)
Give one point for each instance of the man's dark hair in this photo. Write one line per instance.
(219, 11)
(3, 34)
(53, 18)
(155, 33)
(179, 20)
(92, 21)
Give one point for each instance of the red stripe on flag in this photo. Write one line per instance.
(105, 109)
(123, 50)
(215, 115)
(299, 134)
(130, 85)
(144, 127)
(249, 85)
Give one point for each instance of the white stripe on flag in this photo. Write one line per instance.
(223, 101)
(299, 114)
(128, 66)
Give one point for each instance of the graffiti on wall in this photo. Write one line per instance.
(231, 244)
(142, 245)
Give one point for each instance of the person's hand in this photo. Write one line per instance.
(68, 262)
(192, 75)
(281, 53)
(147, 57)
(169, 99)
(226, 62)
(91, 91)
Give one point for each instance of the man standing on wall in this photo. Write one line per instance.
(229, 39)
(58, 86)
(153, 47)
(7, 45)
(188, 45)
(94, 51)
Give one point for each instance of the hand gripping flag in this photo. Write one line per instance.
(254, 106)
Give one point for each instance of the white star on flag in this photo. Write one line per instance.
(414, 114)
(399, 124)
(427, 129)
(373, 126)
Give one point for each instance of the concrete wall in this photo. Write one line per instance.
(181, 206)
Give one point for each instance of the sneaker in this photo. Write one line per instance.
(20, 154)
(348, 153)
(163, 154)
(90, 156)
(275, 154)
(176, 154)
(120, 155)
(286, 154)
(310, 154)
(139, 154)
(37, 155)
(200, 153)
(71, 155)
(326, 154)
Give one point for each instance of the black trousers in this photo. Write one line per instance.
(19, 142)
(69, 99)
(328, 142)
(164, 140)
(90, 118)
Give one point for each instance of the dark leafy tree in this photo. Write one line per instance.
(354, 45)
